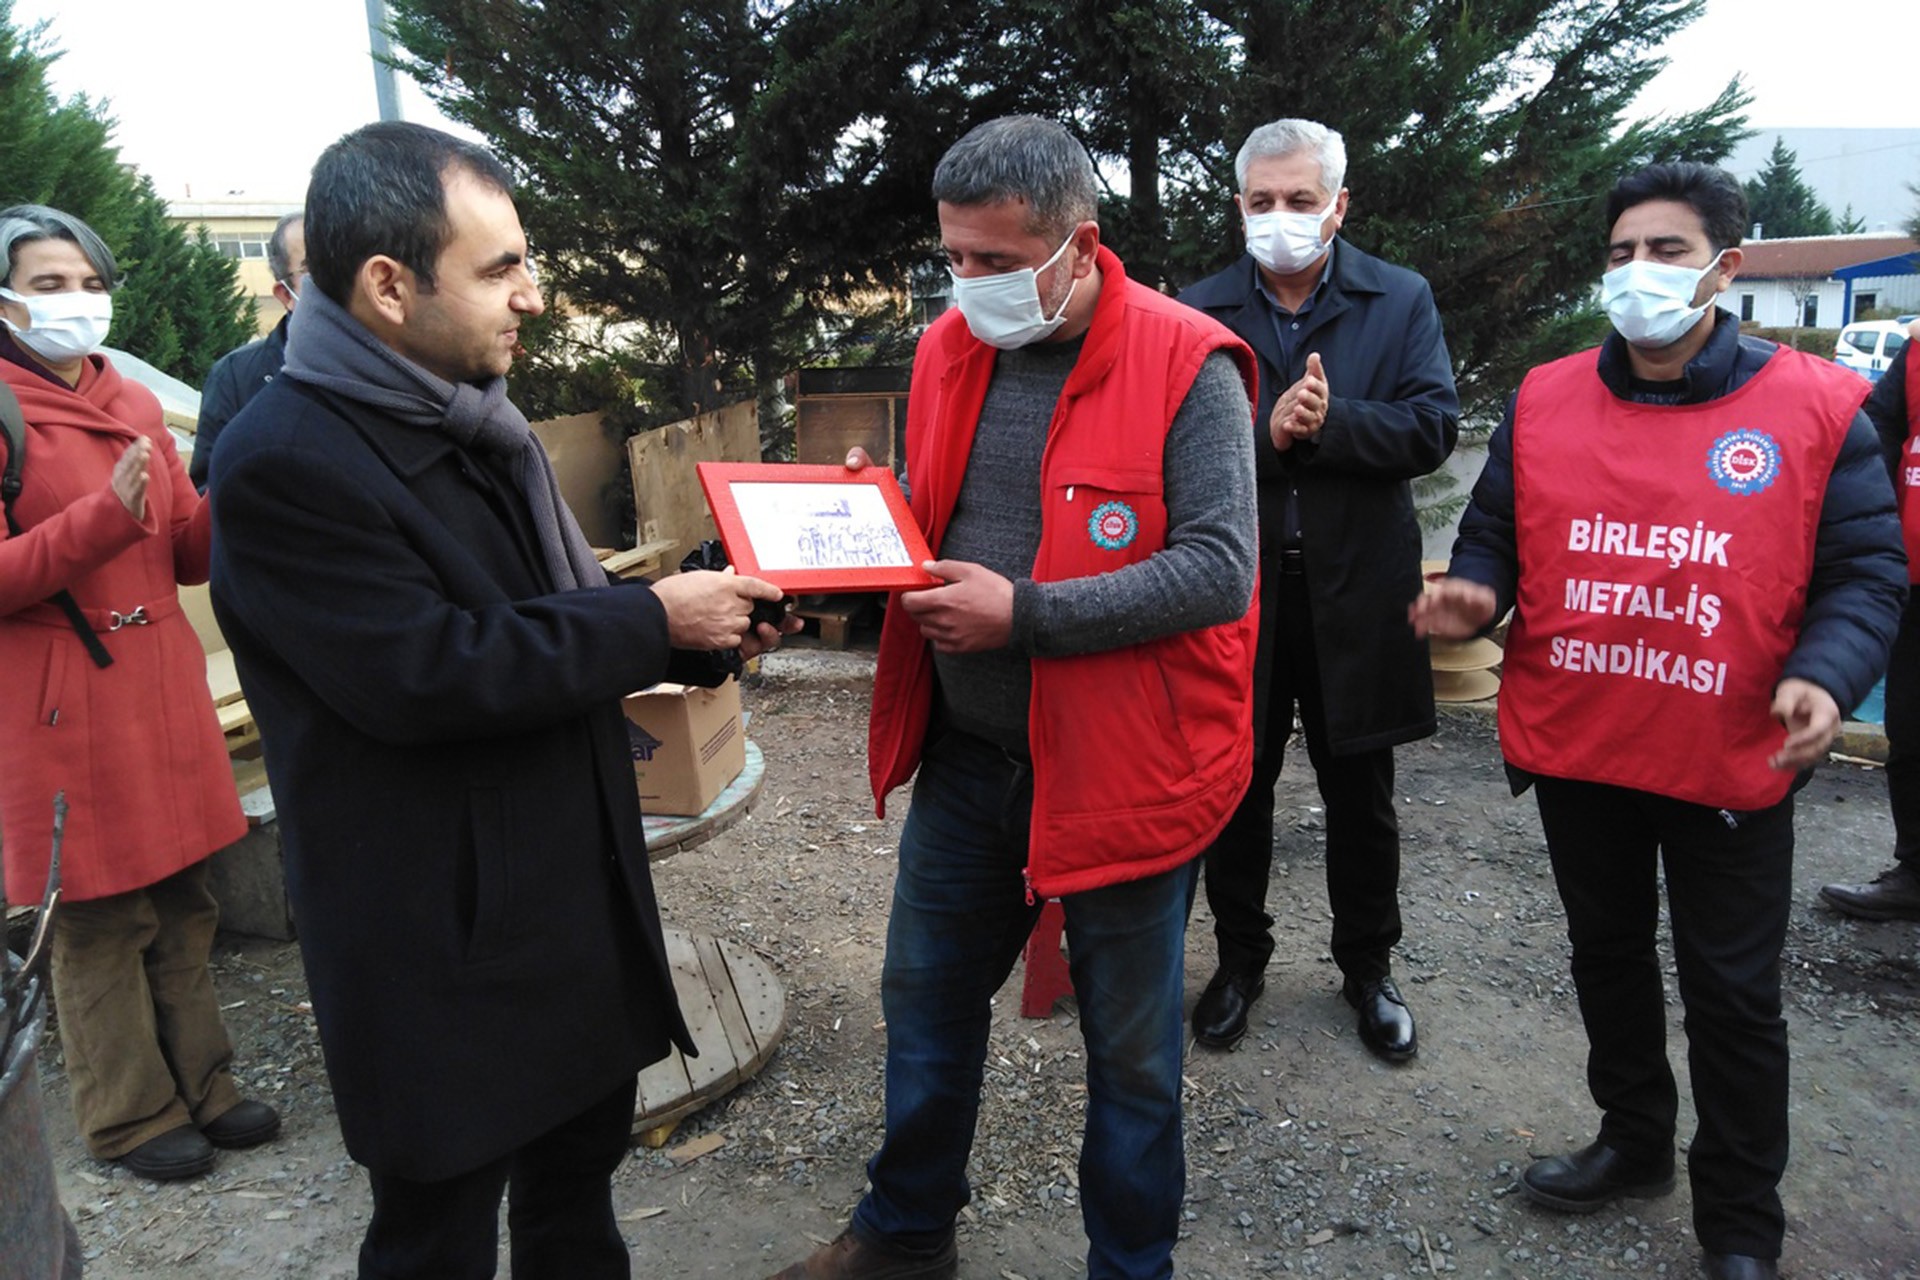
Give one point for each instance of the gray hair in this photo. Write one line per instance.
(1289, 137)
(277, 245)
(1021, 158)
(26, 223)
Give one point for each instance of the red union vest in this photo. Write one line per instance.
(1140, 753)
(1664, 556)
(1910, 467)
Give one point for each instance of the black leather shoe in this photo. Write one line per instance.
(173, 1155)
(1594, 1176)
(248, 1124)
(1894, 894)
(1738, 1266)
(1386, 1026)
(1220, 1015)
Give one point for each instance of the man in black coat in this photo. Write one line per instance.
(1894, 894)
(238, 376)
(435, 662)
(1356, 400)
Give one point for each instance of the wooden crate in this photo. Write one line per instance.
(835, 409)
(669, 506)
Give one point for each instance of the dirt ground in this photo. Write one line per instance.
(1306, 1155)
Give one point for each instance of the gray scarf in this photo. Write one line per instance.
(327, 347)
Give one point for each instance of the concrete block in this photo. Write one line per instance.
(248, 878)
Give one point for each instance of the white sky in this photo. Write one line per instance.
(215, 97)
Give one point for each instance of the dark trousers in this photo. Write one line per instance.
(559, 1209)
(1903, 735)
(1729, 890)
(1363, 834)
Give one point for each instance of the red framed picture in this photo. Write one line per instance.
(816, 529)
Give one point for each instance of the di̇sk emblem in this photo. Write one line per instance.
(1744, 462)
(1113, 525)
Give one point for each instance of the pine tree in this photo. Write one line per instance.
(1850, 223)
(1137, 77)
(1781, 203)
(723, 176)
(216, 313)
(56, 153)
(179, 307)
(717, 177)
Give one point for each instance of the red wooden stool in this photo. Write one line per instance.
(1047, 978)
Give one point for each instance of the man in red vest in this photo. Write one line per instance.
(1074, 696)
(1712, 570)
(1894, 894)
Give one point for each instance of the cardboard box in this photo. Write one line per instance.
(687, 742)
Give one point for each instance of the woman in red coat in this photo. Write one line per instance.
(121, 721)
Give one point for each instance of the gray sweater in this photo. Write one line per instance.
(1201, 578)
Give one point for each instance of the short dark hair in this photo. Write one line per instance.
(1711, 192)
(1021, 158)
(381, 190)
(277, 245)
(26, 223)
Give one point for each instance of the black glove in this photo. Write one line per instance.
(711, 555)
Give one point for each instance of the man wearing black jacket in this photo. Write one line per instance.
(1697, 537)
(239, 375)
(435, 661)
(1894, 894)
(1356, 400)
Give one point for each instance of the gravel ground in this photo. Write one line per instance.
(1306, 1155)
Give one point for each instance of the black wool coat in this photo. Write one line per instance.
(1393, 415)
(235, 378)
(461, 829)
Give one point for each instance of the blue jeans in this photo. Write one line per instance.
(960, 918)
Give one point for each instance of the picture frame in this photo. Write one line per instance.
(816, 529)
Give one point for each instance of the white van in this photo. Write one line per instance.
(1868, 347)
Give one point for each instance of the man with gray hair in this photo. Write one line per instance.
(1074, 694)
(238, 375)
(1356, 399)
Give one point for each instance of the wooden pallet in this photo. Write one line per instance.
(642, 561)
(832, 617)
(229, 704)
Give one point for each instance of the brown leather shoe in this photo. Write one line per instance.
(1894, 894)
(851, 1258)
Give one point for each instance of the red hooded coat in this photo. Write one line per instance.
(136, 746)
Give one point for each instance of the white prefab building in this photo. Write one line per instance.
(1825, 281)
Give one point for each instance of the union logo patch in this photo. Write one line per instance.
(1744, 461)
(1113, 525)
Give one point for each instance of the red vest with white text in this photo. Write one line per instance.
(1664, 557)
(1140, 753)
(1909, 478)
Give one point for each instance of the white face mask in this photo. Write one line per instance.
(1005, 311)
(63, 327)
(1287, 242)
(1651, 303)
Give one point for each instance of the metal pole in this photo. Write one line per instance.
(384, 87)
